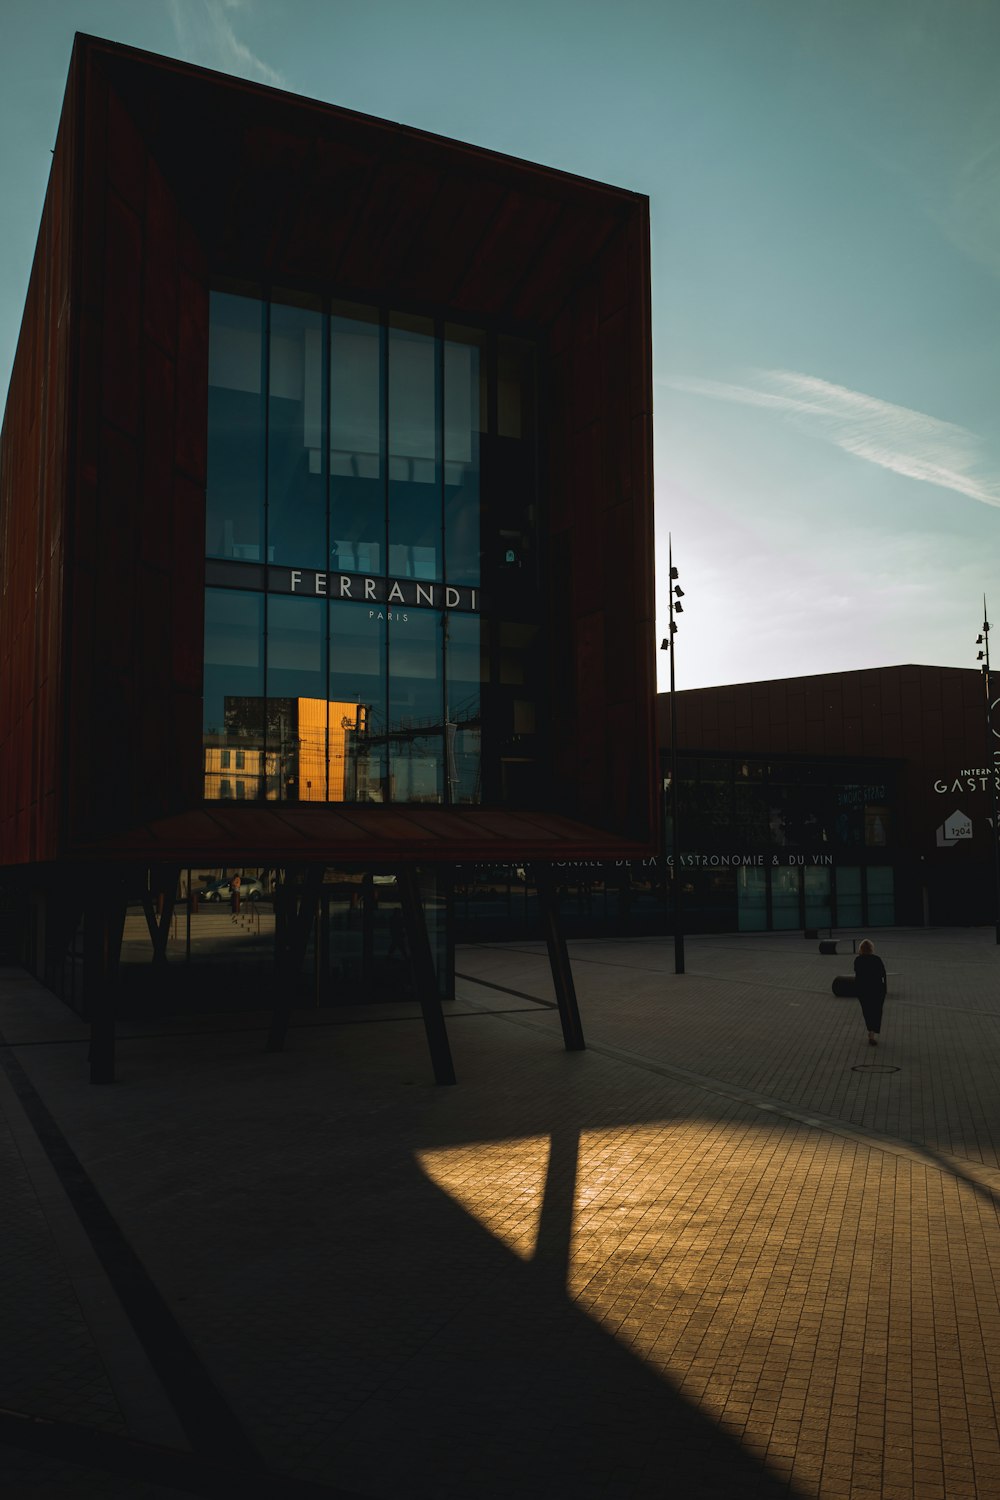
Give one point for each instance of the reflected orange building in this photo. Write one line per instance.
(309, 765)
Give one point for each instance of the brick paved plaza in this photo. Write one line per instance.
(729, 1250)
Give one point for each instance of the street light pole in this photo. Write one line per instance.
(669, 644)
(992, 758)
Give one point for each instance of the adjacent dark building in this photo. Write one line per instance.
(326, 513)
(847, 799)
(852, 800)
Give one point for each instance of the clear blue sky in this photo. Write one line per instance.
(825, 186)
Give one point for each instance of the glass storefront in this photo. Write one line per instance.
(818, 896)
(221, 954)
(848, 879)
(809, 843)
(369, 607)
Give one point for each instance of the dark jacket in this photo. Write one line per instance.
(869, 971)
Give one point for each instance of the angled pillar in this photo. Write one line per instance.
(562, 974)
(424, 978)
(163, 880)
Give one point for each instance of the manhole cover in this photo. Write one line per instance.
(873, 1068)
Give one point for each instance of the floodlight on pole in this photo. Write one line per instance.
(670, 644)
(992, 758)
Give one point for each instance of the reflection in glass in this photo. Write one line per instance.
(357, 700)
(296, 485)
(513, 570)
(881, 899)
(233, 688)
(348, 442)
(296, 693)
(750, 815)
(414, 451)
(877, 824)
(234, 498)
(785, 899)
(848, 896)
(751, 900)
(464, 421)
(357, 498)
(817, 881)
(463, 733)
(416, 727)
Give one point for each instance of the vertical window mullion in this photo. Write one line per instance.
(439, 460)
(384, 395)
(325, 440)
(265, 396)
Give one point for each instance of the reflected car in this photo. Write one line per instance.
(221, 890)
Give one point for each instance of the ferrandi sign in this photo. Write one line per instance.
(360, 589)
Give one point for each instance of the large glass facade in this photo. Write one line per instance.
(236, 425)
(809, 840)
(372, 550)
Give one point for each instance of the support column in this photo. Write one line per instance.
(424, 979)
(163, 881)
(562, 974)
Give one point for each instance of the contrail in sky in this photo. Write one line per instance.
(894, 437)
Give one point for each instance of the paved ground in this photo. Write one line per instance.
(730, 1250)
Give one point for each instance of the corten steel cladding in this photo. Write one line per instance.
(164, 178)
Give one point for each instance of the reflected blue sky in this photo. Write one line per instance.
(825, 188)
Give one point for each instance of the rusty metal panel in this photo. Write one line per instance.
(600, 435)
(182, 174)
(142, 414)
(32, 500)
(121, 314)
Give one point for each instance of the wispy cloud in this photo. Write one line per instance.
(894, 437)
(972, 218)
(206, 35)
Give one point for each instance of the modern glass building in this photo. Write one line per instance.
(371, 604)
(326, 500)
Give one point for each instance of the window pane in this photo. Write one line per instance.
(357, 710)
(848, 802)
(234, 687)
(785, 899)
(414, 451)
(357, 473)
(464, 410)
(877, 825)
(296, 693)
(751, 899)
(881, 902)
(416, 707)
(849, 896)
(750, 815)
(296, 489)
(817, 887)
(512, 543)
(464, 740)
(234, 497)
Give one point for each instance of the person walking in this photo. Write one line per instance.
(234, 896)
(869, 971)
